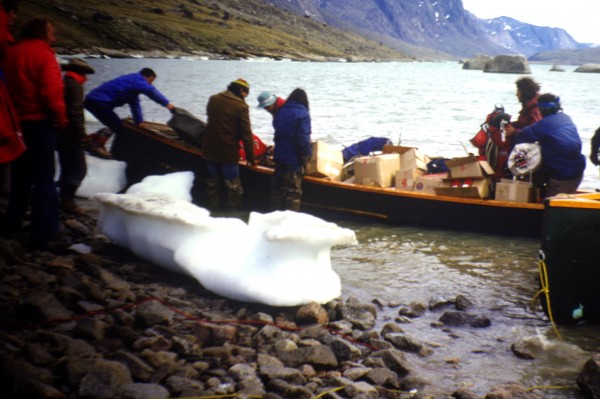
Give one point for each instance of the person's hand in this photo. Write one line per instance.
(594, 159)
(170, 107)
(509, 129)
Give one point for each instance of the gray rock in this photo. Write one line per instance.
(288, 374)
(362, 389)
(589, 377)
(153, 312)
(507, 64)
(104, 379)
(362, 316)
(312, 313)
(462, 319)
(588, 68)
(557, 68)
(477, 62)
(404, 342)
(90, 328)
(344, 350)
(320, 357)
(143, 391)
(140, 370)
(384, 377)
(394, 360)
(45, 306)
(184, 387)
(511, 392)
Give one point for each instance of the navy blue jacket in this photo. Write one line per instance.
(561, 145)
(125, 90)
(292, 135)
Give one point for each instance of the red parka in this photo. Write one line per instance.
(11, 140)
(35, 82)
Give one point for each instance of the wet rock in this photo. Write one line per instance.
(394, 360)
(413, 310)
(404, 342)
(588, 379)
(153, 312)
(464, 394)
(462, 303)
(184, 387)
(142, 391)
(104, 379)
(383, 377)
(140, 370)
(362, 316)
(511, 392)
(344, 350)
(462, 319)
(525, 349)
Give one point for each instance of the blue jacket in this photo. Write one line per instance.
(292, 135)
(125, 90)
(561, 145)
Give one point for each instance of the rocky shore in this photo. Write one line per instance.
(86, 319)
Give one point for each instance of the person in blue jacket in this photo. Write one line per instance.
(562, 159)
(293, 151)
(125, 89)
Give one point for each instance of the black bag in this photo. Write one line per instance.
(187, 126)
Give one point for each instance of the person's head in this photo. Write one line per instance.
(239, 87)
(549, 104)
(266, 101)
(148, 74)
(39, 28)
(527, 89)
(299, 96)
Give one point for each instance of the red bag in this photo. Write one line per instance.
(260, 148)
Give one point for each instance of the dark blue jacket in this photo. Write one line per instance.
(125, 90)
(292, 134)
(561, 145)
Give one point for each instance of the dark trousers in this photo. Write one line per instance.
(286, 188)
(106, 115)
(73, 167)
(32, 178)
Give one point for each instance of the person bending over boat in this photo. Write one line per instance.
(270, 102)
(125, 89)
(228, 122)
(293, 151)
(562, 161)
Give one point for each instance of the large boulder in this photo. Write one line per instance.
(477, 62)
(507, 64)
(589, 378)
(593, 68)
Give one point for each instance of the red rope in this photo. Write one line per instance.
(186, 316)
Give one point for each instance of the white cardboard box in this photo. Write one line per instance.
(377, 170)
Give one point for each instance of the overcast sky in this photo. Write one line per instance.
(580, 18)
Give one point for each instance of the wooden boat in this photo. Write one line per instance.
(158, 150)
(569, 226)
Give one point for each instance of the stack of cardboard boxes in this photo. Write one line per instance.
(326, 161)
(469, 178)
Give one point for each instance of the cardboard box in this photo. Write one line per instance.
(428, 183)
(410, 157)
(378, 170)
(466, 188)
(405, 179)
(326, 161)
(461, 168)
(514, 191)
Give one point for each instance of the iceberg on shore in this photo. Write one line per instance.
(279, 258)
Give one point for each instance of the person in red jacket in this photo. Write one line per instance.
(35, 84)
(11, 139)
(528, 91)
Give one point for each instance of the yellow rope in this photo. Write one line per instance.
(327, 392)
(546, 291)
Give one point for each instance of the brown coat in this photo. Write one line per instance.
(228, 123)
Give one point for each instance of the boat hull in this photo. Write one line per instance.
(158, 151)
(571, 259)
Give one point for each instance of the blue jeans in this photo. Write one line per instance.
(224, 171)
(104, 114)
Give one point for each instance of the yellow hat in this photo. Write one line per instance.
(242, 82)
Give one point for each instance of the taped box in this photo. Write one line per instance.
(466, 188)
(405, 179)
(326, 161)
(466, 167)
(377, 170)
(427, 183)
(410, 157)
(514, 191)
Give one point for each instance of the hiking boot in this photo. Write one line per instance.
(97, 151)
(95, 143)
(68, 205)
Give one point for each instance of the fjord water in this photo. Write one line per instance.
(436, 107)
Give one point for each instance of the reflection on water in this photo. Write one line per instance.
(401, 265)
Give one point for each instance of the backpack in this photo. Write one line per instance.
(491, 139)
(187, 126)
(364, 147)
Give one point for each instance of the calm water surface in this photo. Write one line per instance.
(437, 107)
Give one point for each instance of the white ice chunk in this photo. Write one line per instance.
(103, 176)
(178, 184)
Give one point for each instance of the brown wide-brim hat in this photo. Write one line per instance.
(78, 65)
